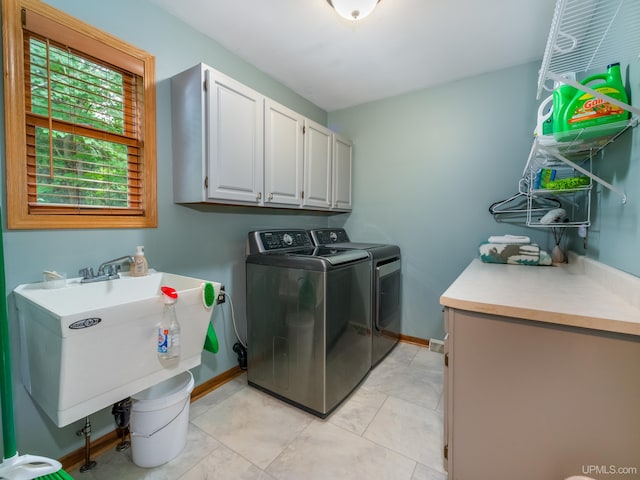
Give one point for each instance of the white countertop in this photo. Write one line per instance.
(584, 293)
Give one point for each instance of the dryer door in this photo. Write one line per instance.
(388, 297)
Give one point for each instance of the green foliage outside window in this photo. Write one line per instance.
(75, 164)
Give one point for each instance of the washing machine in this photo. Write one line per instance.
(308, 319)
(386, 299)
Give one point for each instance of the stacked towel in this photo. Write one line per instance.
(514, 250)
(516, 239)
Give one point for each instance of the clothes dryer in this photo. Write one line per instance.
(386, 299)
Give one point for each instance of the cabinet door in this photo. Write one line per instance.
(448, 340)
(342, 164)
(188, 115)
(235, 140)
(538, 399)
(317, 165)
(283, 155)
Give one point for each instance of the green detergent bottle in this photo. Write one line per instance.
(574, 110)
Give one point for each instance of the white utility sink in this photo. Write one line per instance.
(86, 346)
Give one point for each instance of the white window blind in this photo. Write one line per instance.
(84, 141)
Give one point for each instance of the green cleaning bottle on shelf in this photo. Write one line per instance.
(574, 110)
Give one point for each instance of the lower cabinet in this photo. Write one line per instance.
(532, 400)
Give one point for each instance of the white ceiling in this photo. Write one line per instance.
(404, 45)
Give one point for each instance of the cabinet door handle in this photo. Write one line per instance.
(270, 196)
(259, 196)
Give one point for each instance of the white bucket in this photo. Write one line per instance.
(159, 421)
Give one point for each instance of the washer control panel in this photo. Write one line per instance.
(279, 240)
(326, 236)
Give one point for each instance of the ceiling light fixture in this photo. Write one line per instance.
(353, 9)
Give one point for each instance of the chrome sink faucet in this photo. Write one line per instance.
(106, 271)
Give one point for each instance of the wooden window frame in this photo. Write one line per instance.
(112, 50)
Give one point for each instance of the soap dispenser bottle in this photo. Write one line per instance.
(139, 267)
(169, 328)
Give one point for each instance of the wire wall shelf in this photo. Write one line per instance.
(587, 34)
(580, 144)
(576, 200)
(584, 35)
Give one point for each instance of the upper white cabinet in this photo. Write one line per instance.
(318, 152)
(233, 145)
(235, 158)
(342, 164)
(305, 164)
(218, 138)
(283, 155)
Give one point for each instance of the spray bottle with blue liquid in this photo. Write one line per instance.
(169, 328)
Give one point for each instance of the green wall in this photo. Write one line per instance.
(613, 236)
(204, 242)
(428, 165)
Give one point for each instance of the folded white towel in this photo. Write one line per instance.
(519, 239)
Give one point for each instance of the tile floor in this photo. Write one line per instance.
(389, 428)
